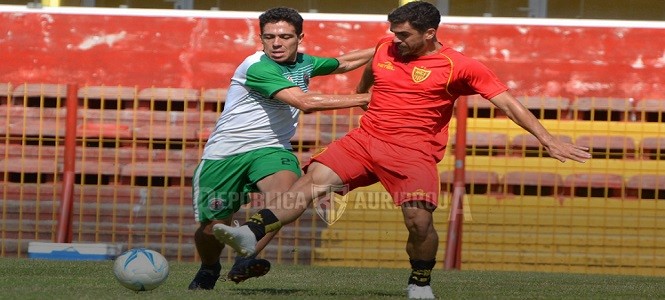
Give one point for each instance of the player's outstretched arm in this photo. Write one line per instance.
(523, 117)
(308, 103)
(353, 60)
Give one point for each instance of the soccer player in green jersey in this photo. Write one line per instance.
(250, 149)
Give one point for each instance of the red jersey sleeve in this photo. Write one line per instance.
(473, 77)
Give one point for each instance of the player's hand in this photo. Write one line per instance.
(564, 151)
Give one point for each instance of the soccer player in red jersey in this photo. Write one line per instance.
(414, 81)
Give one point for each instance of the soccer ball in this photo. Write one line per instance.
(141, 269)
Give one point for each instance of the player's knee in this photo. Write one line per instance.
(205, 228)
(321, 174)
(203, 231)
(418, 221)
(420, 229)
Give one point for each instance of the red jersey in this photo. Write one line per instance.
(412, 100)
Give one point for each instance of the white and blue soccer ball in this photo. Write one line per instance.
(141, 269)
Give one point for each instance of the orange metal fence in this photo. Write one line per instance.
(136, 151)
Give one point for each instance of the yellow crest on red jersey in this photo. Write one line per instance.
(419, 74)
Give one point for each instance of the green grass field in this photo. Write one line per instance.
(46, 279)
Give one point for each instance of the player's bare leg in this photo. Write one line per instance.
(244, 238)
(209, 250)
(421, 247)
(247, 267)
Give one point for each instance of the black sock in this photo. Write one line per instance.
(421, 271)
(262, 222)
(214, 268)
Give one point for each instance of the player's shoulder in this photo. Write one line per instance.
(256, 57)
(256, 67)
(457, 57)
(385, 43)
(385, 39)
(302, 57)
(257, 62)
(450, 52)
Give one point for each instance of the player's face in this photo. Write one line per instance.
(409, 41)
(280, 41)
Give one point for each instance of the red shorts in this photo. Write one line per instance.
(360, 160)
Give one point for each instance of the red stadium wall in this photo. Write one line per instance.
(200, 49)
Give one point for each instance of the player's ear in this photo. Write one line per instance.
(430, 34)
(300, 38)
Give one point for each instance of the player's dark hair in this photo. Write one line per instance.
(277, 14)
(421, 15)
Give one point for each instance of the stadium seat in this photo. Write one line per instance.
(594, 185)
(532, 183)
(168, 99)
(203, 134)
(12, 151)
(36, 101)
(527, 145)
(646, 186)
(104, 130)
(207, 118)
(103, 135)
(96, 172)
(214, 99)
(194, 120)
(167, 132)
(188, 156)
(650, 110)
(40, 89)
(5, 93)
(157, 173)
(107, 97)
(485, 143)
(555, 108)
(475, 182)
(136, 118)
(143, 117)
(479, 107)
(329, 123)
(106, 115)
(31, 94)
(100, 153)
(309, 138)
(608, 147)
(18, 151)
(120, 155)
(653, 148)
(17, 113)
(602, 109)
(167, 136)
(33, 128)
(29, 170)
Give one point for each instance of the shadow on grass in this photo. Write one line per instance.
(301, 292)
(270, 291)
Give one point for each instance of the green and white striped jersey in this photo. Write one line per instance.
(252, 119)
